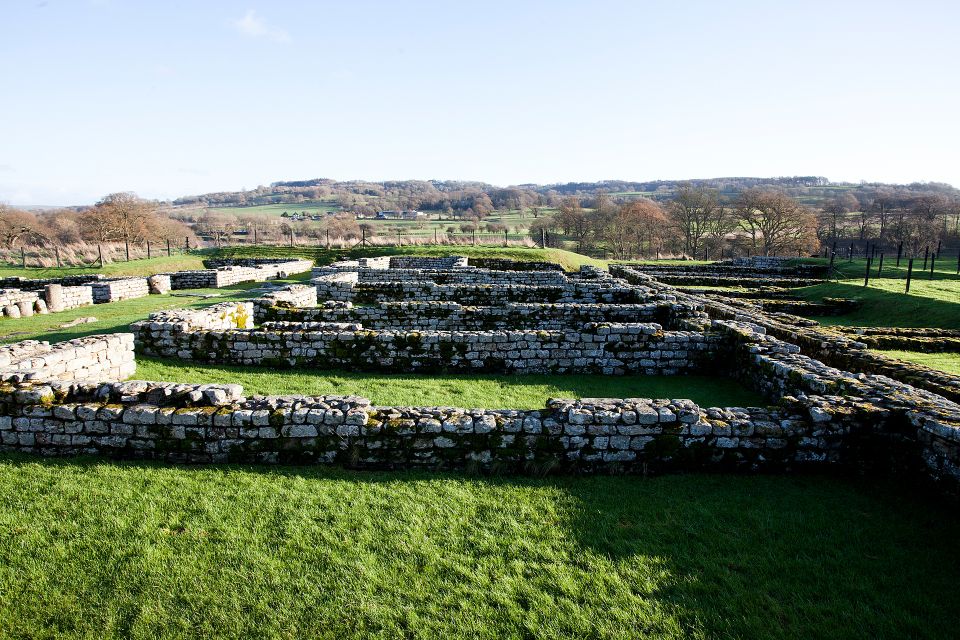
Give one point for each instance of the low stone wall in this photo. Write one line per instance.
(116, 290)
(287, 300)
(38, 284)
(227, 276)
(500, 264)
(451, 316)
(614, 349)
(101, 357)
(926, 340)
(215, 423)
(60, 298)
(420, 262)
(345, 286)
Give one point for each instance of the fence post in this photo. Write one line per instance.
(187, 243)
(168, 247)
(543, 238)
(255, 239)
(880, 266)
(149, 252)
(866, 275)
(899, 252)
(363, 237)
(474, 237)
(436, 239)
(23, 257)
(398, 238)
(926, 252)
(291, 236)
(933, 258)
(56, 251)
(100, 254)
(126, 247)
(909, 274)
(504, 237)
(328, 239)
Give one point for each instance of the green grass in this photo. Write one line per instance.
(567, 259)
(933, 303)
(115, 316)
(145, 267)
(93, 549)
(313, 207)
(466, 390)
(949, 362)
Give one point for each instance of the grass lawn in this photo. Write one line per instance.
(949, 362)
(459, 390)
(118, 550)
(930, 303)
(145, 267)
(116, 316)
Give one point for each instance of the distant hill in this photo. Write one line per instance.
(459, 195)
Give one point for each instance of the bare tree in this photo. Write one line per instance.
(16, 225)
(776, 222)
(693, 211)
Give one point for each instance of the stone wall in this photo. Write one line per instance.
(614, 349)
(38, 284)
(101, 357)
(227, 276)
(215, 423)
(116, 290)
(452, 316)
(62, 298)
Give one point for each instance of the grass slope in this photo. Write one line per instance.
(145, 267)
(929, 304)
(138, 550)
(488, 391)
(949, 362)
(567, 259)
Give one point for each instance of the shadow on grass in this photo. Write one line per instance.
(734, 556)
(887, 308)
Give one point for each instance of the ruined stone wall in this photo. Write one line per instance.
(344, 286)
(227, 276)
(73, 297)
(215, 423)
(101, 357)
(38, 284)
(614, 349)
(116, 290)
(451, 316)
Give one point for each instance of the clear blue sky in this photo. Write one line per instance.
(176, 97)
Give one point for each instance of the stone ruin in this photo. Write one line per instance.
(831, 404)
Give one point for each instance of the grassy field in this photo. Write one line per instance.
(487, 391)
(949, 362)
(94, 549)
(316, 206)
(115, 316)
(145, 267)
